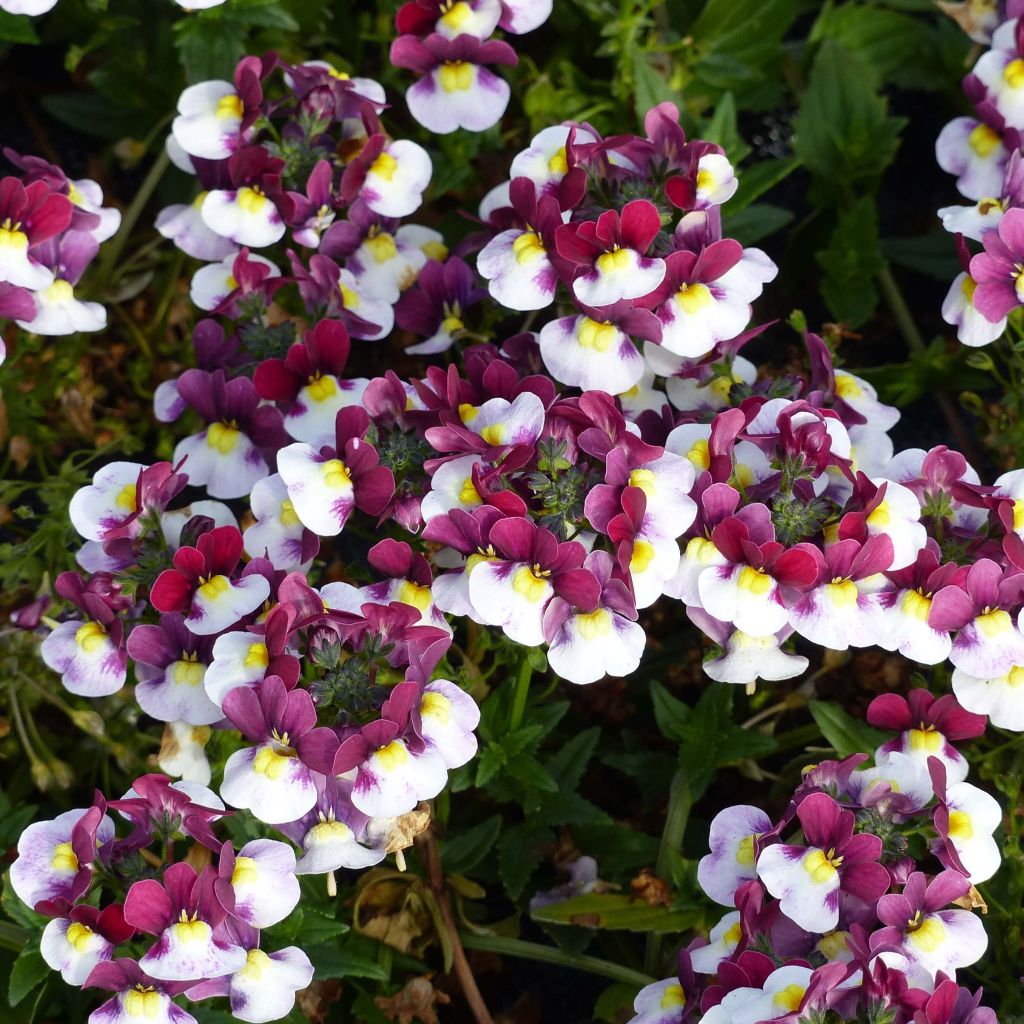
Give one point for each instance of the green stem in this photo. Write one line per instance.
(132, 214)
(12, 937)
(521, 693)
(900, 311)
(680, 800)
(553, 955)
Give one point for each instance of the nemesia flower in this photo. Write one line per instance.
(809, 880)
(55, 857)
(391, 176)
(436, 306)
(732, 836)
(975, 153)
(262, 876)
(927, 938)
(183, 912)
(456, 89)
(213, 285)
(271, 779)
(137, 995)
(30, 216)
(609, 254)
(965, 820)
(75, 944)
(277, 533)
(999, 270)
(325, 486)
(200, 584)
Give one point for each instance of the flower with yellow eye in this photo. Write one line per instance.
(732, 836)
(975, 152)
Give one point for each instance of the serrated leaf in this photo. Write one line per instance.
(527, 770)
(489, 763)
(330, 961)
(846, 734)
(568, 809)
(844, 134)
(617, 912)
(319, 926)
(29, 970)
(463, 852)
(649, 84)
(520, 849)
(759, 178)
(851, 262)
(568, 764)
(721, 128)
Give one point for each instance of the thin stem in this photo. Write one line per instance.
(19, 727)
(435, 873)
(132, 214)
(521, 692)
(680, 800)
(900, 311)
(525, 950)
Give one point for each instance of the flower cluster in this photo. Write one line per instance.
(984, 152)
(125, 917)
(280, 152)
(448, 44)
(857, 904)
(50, 231)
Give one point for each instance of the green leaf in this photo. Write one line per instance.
(532, 774)
(210, 47)
(844, 134)
(616, 912)
(670, 713)
(846, 734)
(851, 262)
(759, 178)
(711, 740)
(895, 47)
(320, 926)
(330, 961)
(721, 128)
(490, 762)
(649, 84)
(17, 28)
(520, 849)
(566, 767)
(933, 254)
(29, 970)
(463, 852)
(755, 222)
(622, 849)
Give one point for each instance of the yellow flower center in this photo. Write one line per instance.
(437, 706)
(926, 933)
(790, 998)
(457, 15)
(452, 324)
(1013, 74)
(881, 516)
(594, 625)
(384, 166)
(126, 498)
(645, 480)
(925, 739)
(528, 247)
(349, 299)
(916, 605)
(214, 588)
(13, 238)
(842, 593)
(821, 866)
(59, 292)
(328, 832)
(334, 474)
(847, 387)
(530, 584)
(91, 637)
(983, 140)
(79, 936)
(287, 514)
(494, 433)
(616, 260)
(995, 622)
(188, 671)
(320, 389)
(1015, 677)
(257, 656)
(142, 1002)
(272, 761)
(754, 581)
(413, 594)
(251, 199)
(643, 555)
(382, 247)
(745, 850)
(597, 336)
(960, 825)
(223, 437)
(832, 945)
(699, 455)
(733, 935)
(694, 297)
(256, 963)
(246, 872)
(392, 756)
(63, 859)
(189, 930)
(468, 494)
(456, 76)
(559, 162)
(230, 106)
(673, 996)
